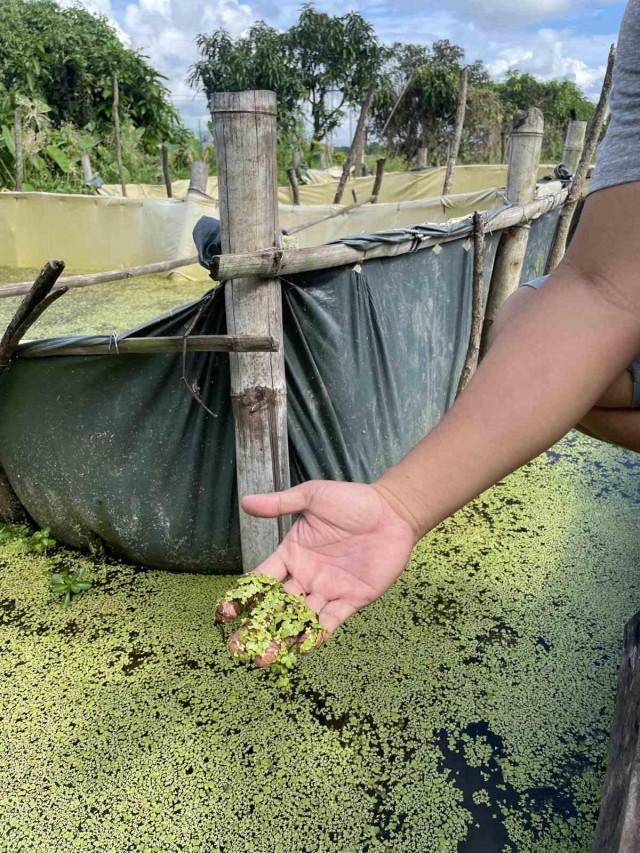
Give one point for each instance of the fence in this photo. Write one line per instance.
(363, 342)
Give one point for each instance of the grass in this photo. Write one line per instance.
(467, 710)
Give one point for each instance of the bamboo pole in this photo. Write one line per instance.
(164, 149)
(360, 129)
(272, 262)
(88, 280)
(118, 135)
(477, 305)
(403, 92)
(559, 244)
(573, 144)
(377, 183)
(454, 147)
(40, 295)
(618, 827)
(293, 184)
(87, 171)
(245, 130)
(199, 177)
(421, 157)
(19, 160)
(147, 346)
(524, 159)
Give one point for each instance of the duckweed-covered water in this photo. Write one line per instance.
(104, 308)
(466, 710)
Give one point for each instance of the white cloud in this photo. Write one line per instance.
(165, 30)
(557, 54)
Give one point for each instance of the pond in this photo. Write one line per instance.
(466, 710)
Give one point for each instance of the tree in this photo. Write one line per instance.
(556, 98)
(334, 54)
(67, 58)
(263, 59)
(427, 79)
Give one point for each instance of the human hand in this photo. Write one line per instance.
(346, 548)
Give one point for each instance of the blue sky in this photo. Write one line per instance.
(550, 38)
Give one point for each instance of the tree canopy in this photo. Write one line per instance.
(67, 57)
(319, 56)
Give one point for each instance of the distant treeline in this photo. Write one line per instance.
(57, 66)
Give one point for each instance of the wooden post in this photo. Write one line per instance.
(245, 131)
(17, 129)
(355, 144)
(199, 177)
(454, 147)
(524, 159)
(573, 144)
(618, 828)
(117, 134)
(559, 244)
(164, 149)
(377, 183)
(293, 184)
(477, 304)
(87, 171)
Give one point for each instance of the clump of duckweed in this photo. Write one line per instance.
(467, 710)
(279, 627)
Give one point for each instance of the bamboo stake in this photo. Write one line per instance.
(38, 297)
(360, 129)
(199, 177)
(147, 346)
(524, 159)
(618, 827)
(477, 305)
(272, 262)
(164, 149)
(117, 134)
(293, 184)
(454, 147)
(17, 130)
(72, 281)
(573, 144)
(559, 244)
(377, 183)
(404, 91)
(245, 128)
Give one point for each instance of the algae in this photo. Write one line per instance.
(466, 710)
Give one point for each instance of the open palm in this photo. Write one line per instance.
(344, 550)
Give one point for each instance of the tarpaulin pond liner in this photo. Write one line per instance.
(116, 448)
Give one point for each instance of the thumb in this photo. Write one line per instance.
(296, 499)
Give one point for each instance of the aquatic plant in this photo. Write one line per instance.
(66, 584)
(279, 628)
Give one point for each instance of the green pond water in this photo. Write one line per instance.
(466, 711)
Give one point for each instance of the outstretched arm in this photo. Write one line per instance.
(351, 541)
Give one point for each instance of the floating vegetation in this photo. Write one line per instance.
(467, 710)
(105, 308)
(278, 627)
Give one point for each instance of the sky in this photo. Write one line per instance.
(566, 39)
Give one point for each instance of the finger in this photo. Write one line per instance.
(278, 503)
(273, 566)
(293, 587)
(315, 602)
(334, 614)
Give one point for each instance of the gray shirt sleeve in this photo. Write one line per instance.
(618, 159)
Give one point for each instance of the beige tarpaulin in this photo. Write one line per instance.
(396, 186)
(97, 233)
